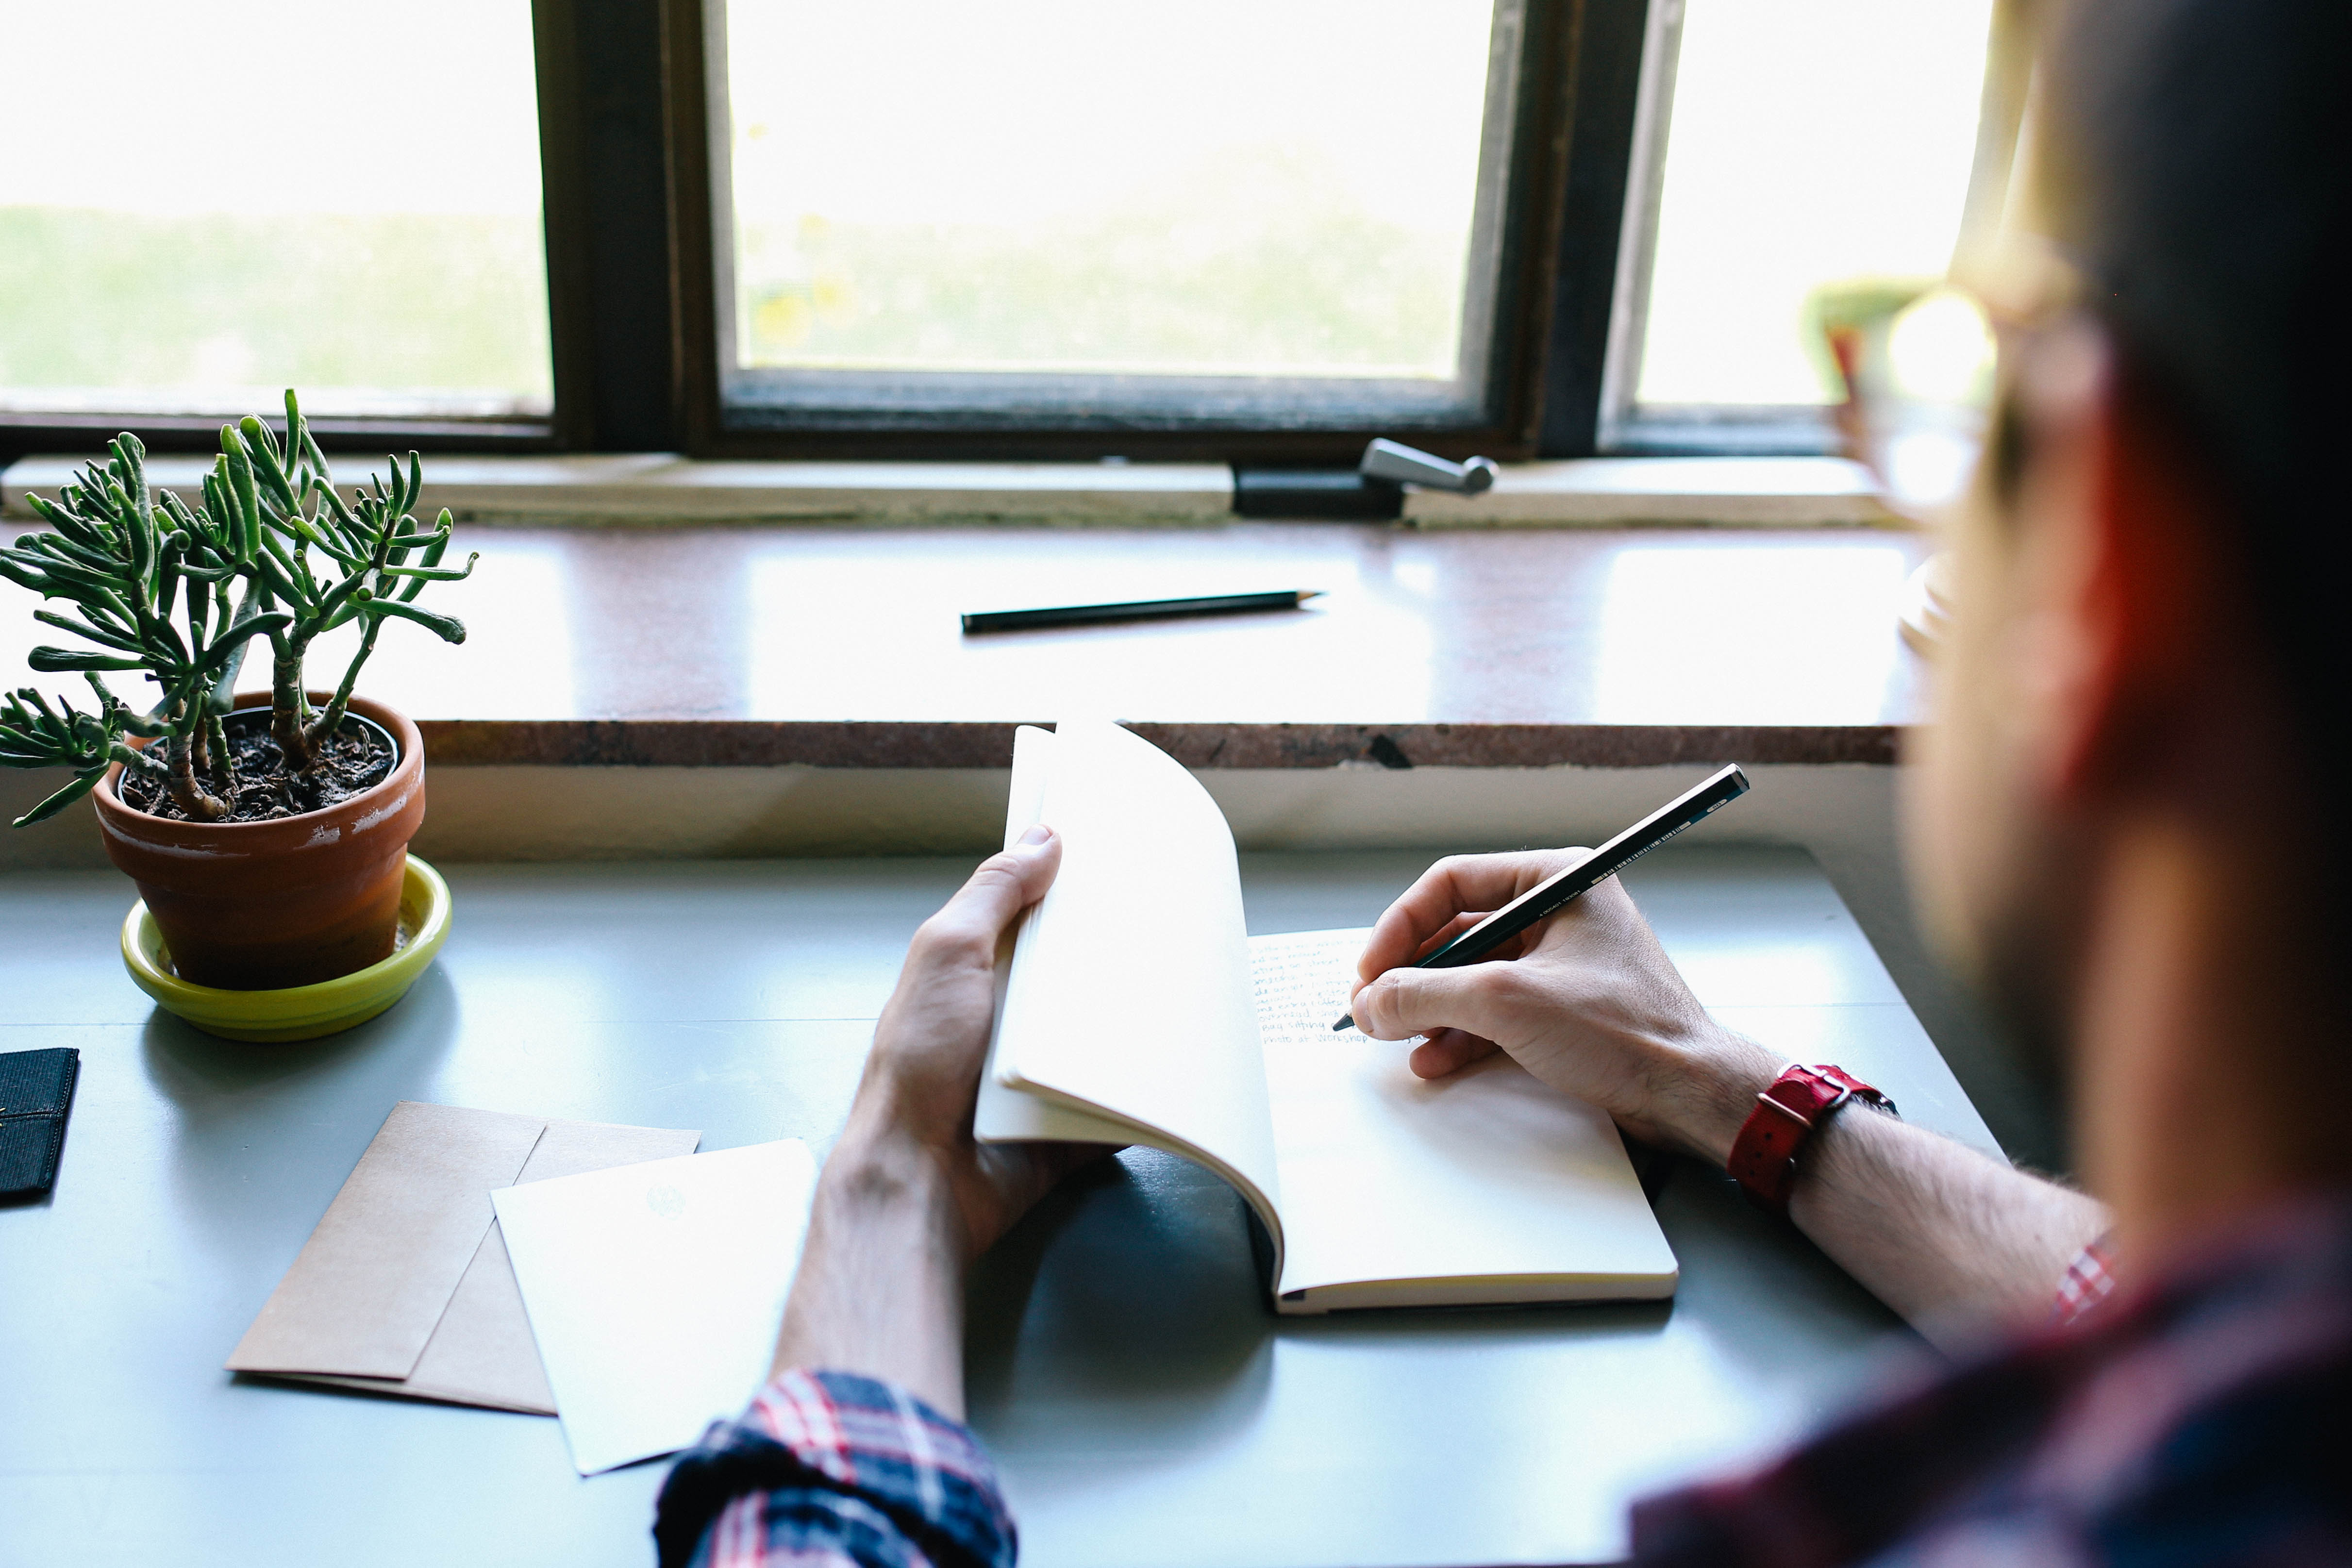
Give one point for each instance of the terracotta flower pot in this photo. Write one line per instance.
(253, 906)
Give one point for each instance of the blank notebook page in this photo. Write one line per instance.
(1486, 1174)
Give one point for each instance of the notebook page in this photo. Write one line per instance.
(1129, 992)
(1007, 1115)
(1485, 1185)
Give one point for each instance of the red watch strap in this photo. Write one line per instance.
(1764, 1156)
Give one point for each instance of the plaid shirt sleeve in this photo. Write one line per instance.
(2089, 1281)
(828, 1469)
(2178, 1422)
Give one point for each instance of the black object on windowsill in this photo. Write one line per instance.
(1315, 495)
(1373, 491)
(36, 1095)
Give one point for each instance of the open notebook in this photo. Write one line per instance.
(1137, 1009)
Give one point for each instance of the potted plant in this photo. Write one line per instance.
(268, 832)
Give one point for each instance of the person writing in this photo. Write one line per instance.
(2121, 829)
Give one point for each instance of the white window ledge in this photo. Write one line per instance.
(1616, 492)
(655, 488)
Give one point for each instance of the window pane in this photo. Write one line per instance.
(202, 205)
(1811, 142)
(1047, 188)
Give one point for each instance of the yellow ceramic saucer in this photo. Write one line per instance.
(297, 1012)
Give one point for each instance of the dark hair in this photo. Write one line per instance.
(2197, 166)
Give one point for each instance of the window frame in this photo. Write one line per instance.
(598, 78)
(626, 165)
(1526, 249)
(1622, 426)
(608, 173)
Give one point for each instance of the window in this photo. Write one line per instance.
(1256, 233)
(1787, 146)
(201, 205)
(1056, 212)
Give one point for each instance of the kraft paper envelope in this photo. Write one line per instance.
(405, 1287)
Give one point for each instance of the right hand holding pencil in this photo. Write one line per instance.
(1587, 1001)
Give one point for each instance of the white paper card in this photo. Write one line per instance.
(655, 1291)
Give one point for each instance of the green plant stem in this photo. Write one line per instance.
(136, 761)
(199, 803)
(289, 705)
(223, 771)
(332, 720)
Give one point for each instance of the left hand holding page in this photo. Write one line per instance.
(908, 1198)
(923, 1075)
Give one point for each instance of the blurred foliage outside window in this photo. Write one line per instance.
(1223, 188)
(200, 206)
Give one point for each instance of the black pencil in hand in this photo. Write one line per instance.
(1554, 893)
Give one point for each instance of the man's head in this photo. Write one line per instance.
(2148, 650)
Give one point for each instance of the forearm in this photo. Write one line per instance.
(1948, 1237)
(1595, 1008)
(1945, 1235)
(854, 1451)
(880, 1286)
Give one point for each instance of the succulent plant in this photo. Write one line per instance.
(328, 565)
(35, 735)
(180, 591)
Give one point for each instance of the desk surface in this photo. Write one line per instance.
(1144, 1405)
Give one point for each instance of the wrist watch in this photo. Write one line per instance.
(1787, 1114)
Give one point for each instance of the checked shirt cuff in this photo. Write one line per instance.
(2089, 1281)
(830, 1468)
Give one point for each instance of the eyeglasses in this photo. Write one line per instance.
(1921, 365)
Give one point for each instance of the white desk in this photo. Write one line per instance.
(1144, 1405)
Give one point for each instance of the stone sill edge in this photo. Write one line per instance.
(747, 743)
(657, 489)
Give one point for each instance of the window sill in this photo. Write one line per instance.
(751, 647)
(733, 689)
(657, 489)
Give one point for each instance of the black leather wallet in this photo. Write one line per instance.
(36, 1092)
